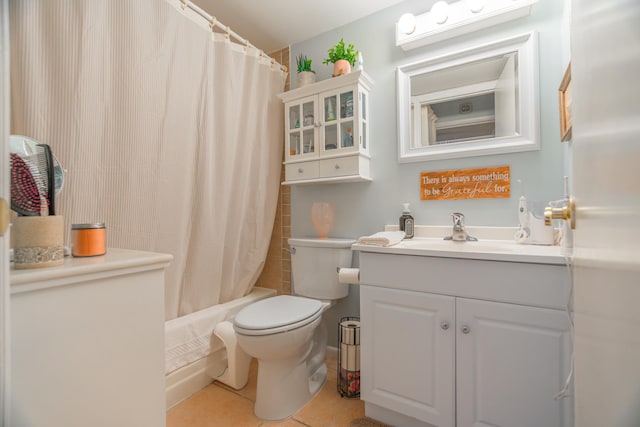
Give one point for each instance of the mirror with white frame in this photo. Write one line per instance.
(473, 102)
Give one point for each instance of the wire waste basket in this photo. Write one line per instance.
(349, 357)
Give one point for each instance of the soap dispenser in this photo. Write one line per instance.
(406, 222)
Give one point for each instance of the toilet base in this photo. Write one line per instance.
(282, 391)
(317, 380)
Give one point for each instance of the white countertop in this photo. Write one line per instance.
(494, 244)
(114, 261)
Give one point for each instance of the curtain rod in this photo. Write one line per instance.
(213, 22)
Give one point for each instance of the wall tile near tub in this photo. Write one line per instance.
(277, 270)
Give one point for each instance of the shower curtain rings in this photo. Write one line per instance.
(213, 23)
(184, 3)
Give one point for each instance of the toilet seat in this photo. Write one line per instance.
(277, 314)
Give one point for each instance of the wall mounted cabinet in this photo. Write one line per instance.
(327, 131)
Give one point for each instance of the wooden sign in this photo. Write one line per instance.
(480, 183)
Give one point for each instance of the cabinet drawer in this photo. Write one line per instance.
(340, 166)
(302, 170)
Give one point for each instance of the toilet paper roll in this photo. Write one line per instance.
(350, 357)
(350, 332)
(349, 275)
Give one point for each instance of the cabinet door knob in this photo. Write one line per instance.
(466, 329)
(444, 325)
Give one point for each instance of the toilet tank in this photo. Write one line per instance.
(314, 265)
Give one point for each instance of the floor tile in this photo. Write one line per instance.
(286, 423)
(219, 405)
(213, 406)
(328, 409)
(248, 391)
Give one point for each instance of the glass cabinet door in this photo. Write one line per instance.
(364, 122)
(301, 129)
(293, 127)
(339, 111)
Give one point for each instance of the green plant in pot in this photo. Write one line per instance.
(305, 74)
(343, 56)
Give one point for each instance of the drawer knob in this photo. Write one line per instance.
(444, 325)
(337, 166)
(300, 170)
(466, 329)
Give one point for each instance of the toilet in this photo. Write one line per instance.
(285, 333)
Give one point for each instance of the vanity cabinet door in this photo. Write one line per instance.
(408, 353)
(511, 361)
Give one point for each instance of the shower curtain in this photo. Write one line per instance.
(170, 134)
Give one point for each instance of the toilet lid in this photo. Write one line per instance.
(277, 314)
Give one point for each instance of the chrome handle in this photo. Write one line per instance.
(466, 329)
(444, 325)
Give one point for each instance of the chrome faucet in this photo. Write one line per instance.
(459, 234)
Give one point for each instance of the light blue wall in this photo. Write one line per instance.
(364, 208)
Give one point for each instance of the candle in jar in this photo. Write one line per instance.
(88, 239)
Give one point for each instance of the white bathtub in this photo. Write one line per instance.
(192, 352)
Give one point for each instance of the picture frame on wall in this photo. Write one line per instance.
(565, 102)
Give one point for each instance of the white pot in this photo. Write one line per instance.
(305, 78)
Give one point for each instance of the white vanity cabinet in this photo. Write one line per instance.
(327, 130)
(461, 342)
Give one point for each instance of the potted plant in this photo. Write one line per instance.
(343, 57)
(305, 74)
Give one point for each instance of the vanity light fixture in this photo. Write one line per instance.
(448, 20)
(440, 12)
(407, 23)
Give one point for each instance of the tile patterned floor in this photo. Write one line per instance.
(220, 406)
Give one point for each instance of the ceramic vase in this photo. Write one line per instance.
(322, 218)
(340, 67)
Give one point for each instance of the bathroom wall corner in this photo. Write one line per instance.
(277, 270)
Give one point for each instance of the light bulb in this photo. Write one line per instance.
(440, 12)
(476, 6)
(407, 23)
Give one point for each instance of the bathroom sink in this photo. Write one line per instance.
(484, 249)
(477, 246)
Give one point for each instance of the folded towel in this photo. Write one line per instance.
(382, 238)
